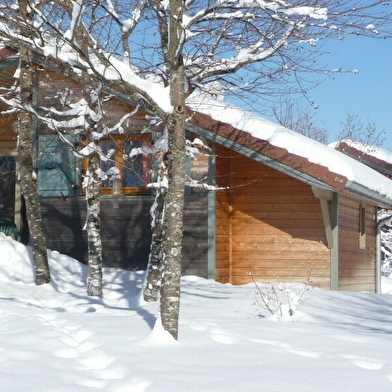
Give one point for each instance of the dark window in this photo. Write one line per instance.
(7, 186)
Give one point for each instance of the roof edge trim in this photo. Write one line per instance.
(274, 164)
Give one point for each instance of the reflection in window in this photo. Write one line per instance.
(137, 168)
(108, 151)
(134, 172)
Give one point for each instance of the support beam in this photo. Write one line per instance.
(335, 239)
(325, 196)
(327, 222)
(211, 252)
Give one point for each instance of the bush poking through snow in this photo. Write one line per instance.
(279, 300)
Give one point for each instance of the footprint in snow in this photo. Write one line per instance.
(222, 336)
(363, 362)
(289, 348)
(304, 353)
(96, 360)
(216, 333)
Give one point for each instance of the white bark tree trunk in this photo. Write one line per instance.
(174, 208)
(26, 157)
(155, 261)
(93, 227)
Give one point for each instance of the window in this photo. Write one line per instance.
(56, 166)
(362, 227)
(7, 186)
(134, 171)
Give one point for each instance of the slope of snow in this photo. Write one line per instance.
(293, 142)
(55, 338)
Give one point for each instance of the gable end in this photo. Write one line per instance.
(265, 152)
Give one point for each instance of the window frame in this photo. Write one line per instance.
(120, 141)
(362, 227)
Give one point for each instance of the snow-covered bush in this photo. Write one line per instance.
(280, 300)
(386, 235)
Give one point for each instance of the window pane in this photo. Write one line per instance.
(7, 187)
(56, 166)
(134, 170)
(137, 168)
(109, 151)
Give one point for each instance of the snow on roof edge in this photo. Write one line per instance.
(376, 152)
(365, 180)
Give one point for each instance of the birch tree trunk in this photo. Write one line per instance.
(174, 199)
(155, 261)
(26, 156)
(174, 211)
(93, 227)
(92, 119)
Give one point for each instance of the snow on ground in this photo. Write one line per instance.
(54, 338)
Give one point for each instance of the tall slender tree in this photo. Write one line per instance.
(26, 153)
(92, 186)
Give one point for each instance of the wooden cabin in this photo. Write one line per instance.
(277, 214)
(290, 209)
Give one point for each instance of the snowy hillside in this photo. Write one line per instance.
(54, 338)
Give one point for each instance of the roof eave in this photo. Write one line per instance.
(299, 167)
(268, 161)
(366, 158)
(263, 151)
(366, 194)
(10, 57)
(9, 62)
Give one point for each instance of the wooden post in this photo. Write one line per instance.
(211, 216)
(335, 240)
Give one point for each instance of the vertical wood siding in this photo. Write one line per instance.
(125, 230)
(222, 216)
(276, 226)
(357, 267)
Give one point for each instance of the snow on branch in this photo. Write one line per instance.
(77, 11)
(241, 9)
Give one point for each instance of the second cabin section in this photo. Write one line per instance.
(271, 225)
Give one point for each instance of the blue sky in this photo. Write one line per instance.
(367, 94)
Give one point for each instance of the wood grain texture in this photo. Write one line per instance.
(357, 267)
(275, 222)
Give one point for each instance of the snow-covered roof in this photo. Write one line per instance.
(293, 153)
(375, 157)
(366, 149)
(344, 173)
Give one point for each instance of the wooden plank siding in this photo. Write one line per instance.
(126, 234)
(222, 217)
(7, 133)
(275, 224)
(357, 267)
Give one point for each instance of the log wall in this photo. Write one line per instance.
(357, 267)
(222, 217)
(274, 225)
